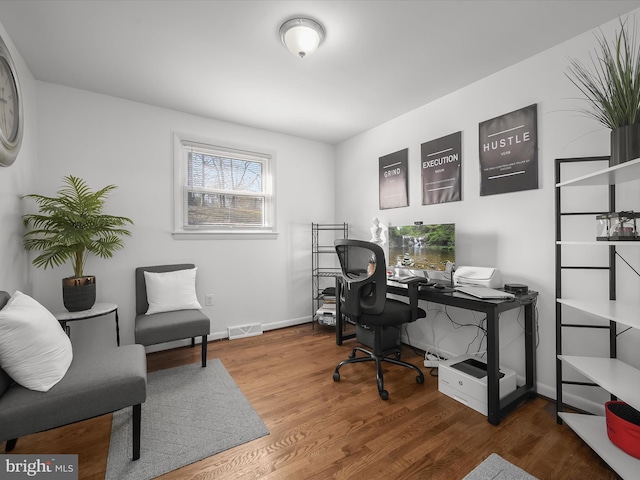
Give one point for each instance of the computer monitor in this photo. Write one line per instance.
(423, 247)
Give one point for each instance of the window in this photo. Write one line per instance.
(222, 189)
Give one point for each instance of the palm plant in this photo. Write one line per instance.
(71, 225)
(612, 88)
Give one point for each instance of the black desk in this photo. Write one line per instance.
(491, 308)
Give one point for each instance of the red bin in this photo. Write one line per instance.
(623, 426)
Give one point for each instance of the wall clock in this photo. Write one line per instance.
(11, 123)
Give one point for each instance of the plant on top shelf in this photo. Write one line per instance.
(70, 226)
(612, 89)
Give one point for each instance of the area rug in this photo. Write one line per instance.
(191, 413)
(495, 467)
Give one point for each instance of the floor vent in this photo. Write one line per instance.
(245, 331)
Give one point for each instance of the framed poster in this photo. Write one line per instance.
(441, 162)
(394, 179)
(509, 152)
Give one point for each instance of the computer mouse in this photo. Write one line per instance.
(439, 285)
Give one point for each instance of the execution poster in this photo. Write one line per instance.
(442, 169)
(509, 152)
(394, 180)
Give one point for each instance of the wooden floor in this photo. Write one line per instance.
(321, 429)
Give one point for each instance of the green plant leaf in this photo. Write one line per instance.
(611, 83)
(71, 225)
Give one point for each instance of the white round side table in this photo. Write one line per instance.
(98, 310)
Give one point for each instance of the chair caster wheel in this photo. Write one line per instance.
(384, 394)
(419, 380)
(336, 376)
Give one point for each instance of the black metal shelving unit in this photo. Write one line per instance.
(560, 267)
(616, 377)
(324, 267)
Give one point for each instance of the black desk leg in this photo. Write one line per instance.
(339, 325)
(493, 368)
(511, 401)
(530, 346)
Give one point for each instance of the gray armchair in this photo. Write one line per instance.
(167, 326)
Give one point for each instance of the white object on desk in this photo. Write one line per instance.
(477, 276)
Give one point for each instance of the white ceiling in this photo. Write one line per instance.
(224, 59)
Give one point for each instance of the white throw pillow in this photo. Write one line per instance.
(34, 350)
(170, 291)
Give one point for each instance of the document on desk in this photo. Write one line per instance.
(484, 293)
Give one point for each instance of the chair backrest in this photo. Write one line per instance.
(141, 286)
(364, 277)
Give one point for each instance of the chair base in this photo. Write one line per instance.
(379, 359)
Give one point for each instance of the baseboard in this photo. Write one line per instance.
(223, 335)
(286, 323)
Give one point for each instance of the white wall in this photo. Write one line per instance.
(106, 140)
(515, 231)
(15, 181)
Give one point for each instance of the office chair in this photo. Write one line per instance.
(363, 298)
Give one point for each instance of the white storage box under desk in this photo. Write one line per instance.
(465, 379)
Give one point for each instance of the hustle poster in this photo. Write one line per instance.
(509, 152)
(441, 162)
(394, 179)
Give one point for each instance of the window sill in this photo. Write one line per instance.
(208, 235)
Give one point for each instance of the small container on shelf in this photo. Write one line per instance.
(617, 226)
(623, 426)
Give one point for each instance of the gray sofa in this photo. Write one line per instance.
(97, 383)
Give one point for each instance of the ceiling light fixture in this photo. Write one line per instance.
(301, 36)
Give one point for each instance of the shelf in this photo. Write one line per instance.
(328, 274)
(595, 242)
(593, 430)
(623, 313)
(613, 375)
(621, 173)
(330, 226)
(324, 260)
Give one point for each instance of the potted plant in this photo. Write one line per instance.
(69, 226)
(612, 91)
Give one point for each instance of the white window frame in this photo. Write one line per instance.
(181, 144)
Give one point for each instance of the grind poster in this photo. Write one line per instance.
(442, 169)
(509, 152)
(394, 180)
